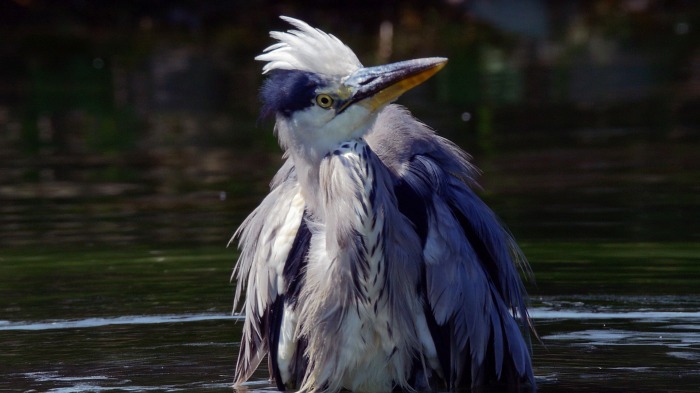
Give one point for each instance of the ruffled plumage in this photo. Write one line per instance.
(308, 49)
(374, 265)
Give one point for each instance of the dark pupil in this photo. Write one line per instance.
(325, 100)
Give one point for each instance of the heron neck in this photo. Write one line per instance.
(316, 171)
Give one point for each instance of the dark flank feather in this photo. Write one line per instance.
(469, 290)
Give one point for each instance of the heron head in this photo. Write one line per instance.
(320, 93)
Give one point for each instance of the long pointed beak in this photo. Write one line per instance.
(380, 85)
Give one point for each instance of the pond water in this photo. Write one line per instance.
(129, 153)
(616, 303)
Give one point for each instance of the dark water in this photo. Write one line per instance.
(615, 309)
(129, 153)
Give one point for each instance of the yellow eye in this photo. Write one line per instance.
(324, 101)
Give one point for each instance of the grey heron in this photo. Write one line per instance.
(372, 265)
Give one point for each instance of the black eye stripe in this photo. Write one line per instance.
(288, 91)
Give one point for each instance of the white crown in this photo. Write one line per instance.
(308, 49)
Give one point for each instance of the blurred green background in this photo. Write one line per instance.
(136, 121)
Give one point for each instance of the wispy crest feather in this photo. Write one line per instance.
(308, 49)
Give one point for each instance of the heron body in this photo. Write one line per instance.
(372, 265)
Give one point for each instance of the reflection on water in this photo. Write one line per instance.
(157, 356)
(634, 349)
(129, 152)
(586, 345)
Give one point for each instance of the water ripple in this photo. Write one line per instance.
(535, 313)
(651, 316)
(123, 320)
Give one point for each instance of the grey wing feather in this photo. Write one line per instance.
(265, 239)
(470, 260)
